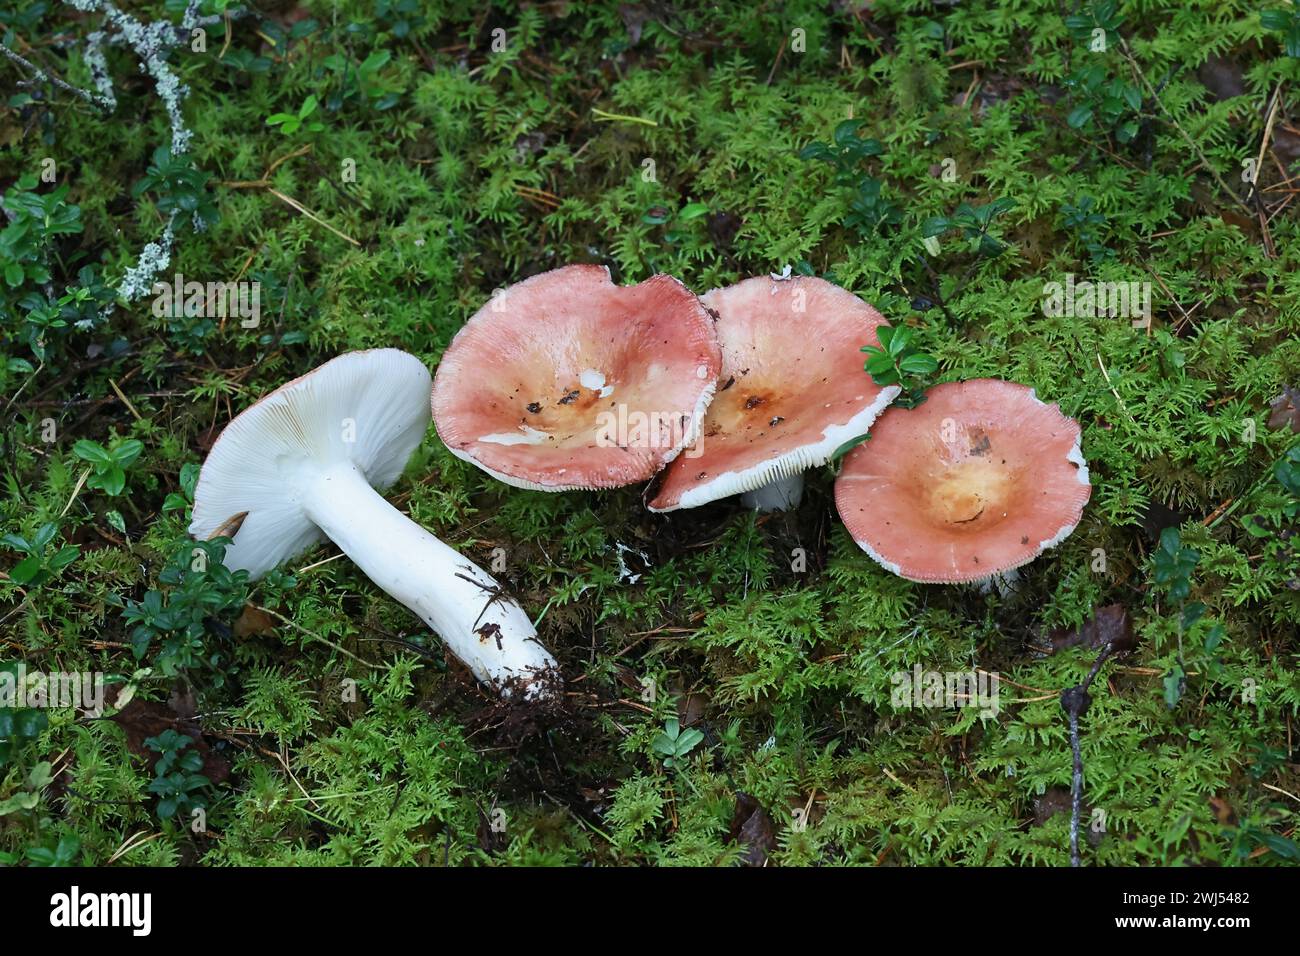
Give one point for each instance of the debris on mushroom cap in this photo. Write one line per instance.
(369, 408)
(791, 390)
(978, 480)
(567, 381)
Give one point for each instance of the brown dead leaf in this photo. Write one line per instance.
(253, 621)
(1286, 410)
(752, 826)
(1285, 145)
(1109, 626)
(690, 708)
(183, 703)
(1247, 225)
(1222, 811)
(1053, 801)
(634, 20)
(1221, 77)
(142, 719)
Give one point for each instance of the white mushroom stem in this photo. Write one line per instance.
(780, 495)
(1007, 582)
(489, 632)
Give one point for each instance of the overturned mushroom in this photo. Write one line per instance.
(566, 381)
(304, 462)
(790, 393)
(977, 481)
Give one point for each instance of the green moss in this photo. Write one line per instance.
(350, 740)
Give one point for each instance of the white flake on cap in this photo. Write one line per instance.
(527, 435)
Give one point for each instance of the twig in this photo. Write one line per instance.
(1155, 97)
(1268, 135)
(620, 117)
(130, 843)
(44, 76)
(1106, 374)
(1285, 793)
(125, 401)
(313, 635)
(775, 63)
(1075, 701)
(310, 215)
(75, 491)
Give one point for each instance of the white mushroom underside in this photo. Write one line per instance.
(791, 463)
(368, 408)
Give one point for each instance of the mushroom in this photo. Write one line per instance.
(977, 481)
(790, 393)
(566, 381)
(305, 462)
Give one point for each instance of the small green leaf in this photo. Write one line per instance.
(899, 341)
(1274, 19)
(1280, 846)
(127, 452)
(22, 800)
(44, 535)
(1192, 613)
(91, 451)
(689, 740)
(1173, 682)
(25, 571)
(848, 446)
(879, 365)
(1214, 638)
(819, 151)
(16, 542)
(112, 480)
(935, 226)
(63, 557)
(846, 132)
(30, 724)
(918, 365)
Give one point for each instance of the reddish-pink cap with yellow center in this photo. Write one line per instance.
(566, 381)
(979, 479)
(791, 390)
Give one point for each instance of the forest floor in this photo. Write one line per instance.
(381, 166)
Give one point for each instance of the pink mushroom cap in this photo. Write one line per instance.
(566, 381)
(791, 390)
(979, 479)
